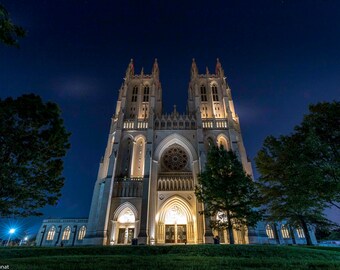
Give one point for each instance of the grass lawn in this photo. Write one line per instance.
(170, 257)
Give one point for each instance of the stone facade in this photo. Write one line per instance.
(66, 232)
(145, 184)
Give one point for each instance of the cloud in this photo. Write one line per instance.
(74, 87)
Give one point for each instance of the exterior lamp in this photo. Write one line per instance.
(11, 231)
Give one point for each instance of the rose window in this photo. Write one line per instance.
(175, 159)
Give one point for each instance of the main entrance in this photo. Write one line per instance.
(125, 235)
(175, 234)
(175, 225)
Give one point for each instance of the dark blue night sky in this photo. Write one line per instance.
(278, 55)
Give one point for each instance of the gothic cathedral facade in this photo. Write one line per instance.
(146, 180)
(144, 192)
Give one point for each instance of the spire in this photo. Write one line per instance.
(207, 70)
(194, 70)
(130, 70)
(155, 70)
(219, 70)
(142, 72)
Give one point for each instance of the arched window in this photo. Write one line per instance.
(134, 94)
(270, 232)
(126, 216)
(50, 234)
(285, 231)
(82, 232)
(138, 158)
(300, 232)
(223, 142)
(146, 93)
(203, 93)
(214, 92)
(66, 233)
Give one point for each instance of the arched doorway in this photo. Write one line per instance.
(124, 225)
(175, 225)
(176, 222)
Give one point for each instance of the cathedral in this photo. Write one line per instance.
(144, 191)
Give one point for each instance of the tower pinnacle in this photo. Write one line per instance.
(155, 70)
(194, 70)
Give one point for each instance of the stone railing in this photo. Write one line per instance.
(135, 124)
(128, 187)
(214, 124)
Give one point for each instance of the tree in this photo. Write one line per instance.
(300, 172)
(229, 195)
(9, 32)
(33, 141)
(320, 134)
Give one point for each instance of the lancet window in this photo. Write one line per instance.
(66, 233)
(214, 92)
(134, 94)
(203, 93)
(50, 234)
(146, 93)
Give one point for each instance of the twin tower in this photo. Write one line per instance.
(145, 186)
(144, 192)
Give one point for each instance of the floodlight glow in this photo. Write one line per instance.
(26, 238)
(11, 231)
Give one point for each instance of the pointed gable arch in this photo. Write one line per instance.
(175, 138)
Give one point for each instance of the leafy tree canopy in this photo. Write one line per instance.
(33, 141)
(228, 193)
(9, 32)
(300, 173)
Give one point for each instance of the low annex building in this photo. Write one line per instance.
(146, 179)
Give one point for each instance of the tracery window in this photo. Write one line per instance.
(285, 231)
(146, 93)
(300, 232)
(269, 231)
(134, 94)
(203, 93)
(175, 159)
(214, 92)
(50, 234)
(66, 233)
(138, 158)
(82, 232)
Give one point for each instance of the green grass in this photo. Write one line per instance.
(171, 257)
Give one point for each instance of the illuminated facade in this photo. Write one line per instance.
(146, 179)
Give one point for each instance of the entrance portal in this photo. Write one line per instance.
(175, 225)
(125, 235)
(175, 234)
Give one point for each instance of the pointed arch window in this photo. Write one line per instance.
(138, 158)
(269, 231)
(223, 142)
(146, 93)
(214, 92)
(285, 231)
(300, 232)
(50, 234)
(203, 93)
(82, 232)
(66, 233)
(134, 94)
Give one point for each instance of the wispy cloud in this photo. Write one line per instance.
(74, 87)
